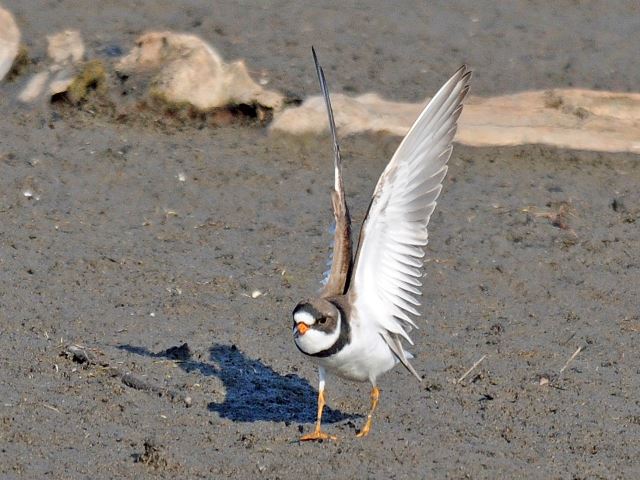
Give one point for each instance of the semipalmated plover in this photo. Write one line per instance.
(355, 327)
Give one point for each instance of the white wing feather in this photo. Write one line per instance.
(386, 279)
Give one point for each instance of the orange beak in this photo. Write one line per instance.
(302, 328)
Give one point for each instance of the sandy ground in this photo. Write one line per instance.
(533, 254)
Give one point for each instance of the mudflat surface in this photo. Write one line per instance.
(136, 238)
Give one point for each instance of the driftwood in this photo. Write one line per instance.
(184, 69)
(9, 41)
(65, 51)
(577, 119)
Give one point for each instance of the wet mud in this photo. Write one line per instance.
(172, 255)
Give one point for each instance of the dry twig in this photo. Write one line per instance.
(466, 374)
(575, 354)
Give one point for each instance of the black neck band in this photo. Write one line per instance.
(343, 338)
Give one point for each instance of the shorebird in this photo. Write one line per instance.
(354, 328)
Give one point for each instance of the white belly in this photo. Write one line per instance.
(366, 358)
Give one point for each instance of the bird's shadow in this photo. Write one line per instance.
(254, 391)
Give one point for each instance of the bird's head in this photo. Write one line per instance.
(316, 325)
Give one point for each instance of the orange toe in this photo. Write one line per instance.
(365, 430)
(317, 435)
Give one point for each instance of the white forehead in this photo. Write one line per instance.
(304, 317)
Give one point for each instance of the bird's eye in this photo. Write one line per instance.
(322, 320)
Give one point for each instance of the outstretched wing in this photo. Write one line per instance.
(386, 279)
(335, 282)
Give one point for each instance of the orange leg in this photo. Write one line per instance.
(318, 434)
(375, 395)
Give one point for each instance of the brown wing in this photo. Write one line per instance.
(338, 275)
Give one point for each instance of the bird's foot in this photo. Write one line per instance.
(317, 435)
(365, 430)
